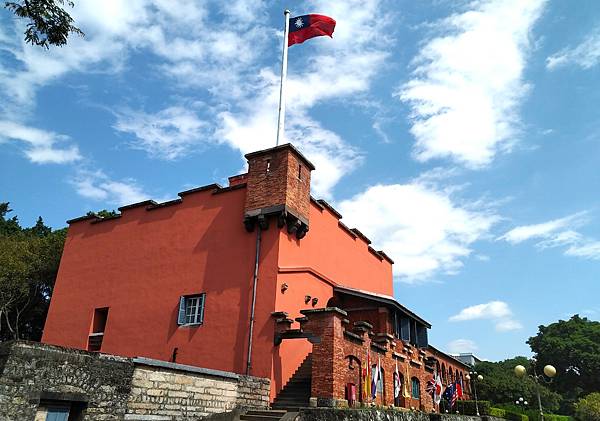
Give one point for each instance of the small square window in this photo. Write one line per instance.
(191, 310)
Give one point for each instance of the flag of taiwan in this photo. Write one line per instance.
(309, 26)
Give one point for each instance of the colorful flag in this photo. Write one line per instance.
(430, 387)
(406, 391)
(309, 26)
(437, 396)
(397, 384)
(376, 378)
(459, 392)
(368, 377)
(454, 394)
(448, 394)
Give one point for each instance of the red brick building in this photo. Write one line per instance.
(257, 277)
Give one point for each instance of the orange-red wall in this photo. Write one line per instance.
(140, 264)
(332, 251)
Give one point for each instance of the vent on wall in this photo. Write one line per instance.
(98, 326)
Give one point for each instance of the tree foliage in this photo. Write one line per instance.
(501, 386)
(29, 259)
(49, 24)
(104, 213)
(588, 408)
(573, 347)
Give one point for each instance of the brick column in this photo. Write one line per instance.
(327, 388)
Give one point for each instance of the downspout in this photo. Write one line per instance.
(255, 280)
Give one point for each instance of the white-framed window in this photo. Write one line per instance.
(191, 310)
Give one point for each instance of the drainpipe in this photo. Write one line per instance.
(256, 263)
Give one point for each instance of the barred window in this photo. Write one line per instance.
(191, 310)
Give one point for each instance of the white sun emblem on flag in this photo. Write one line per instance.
(299, 23)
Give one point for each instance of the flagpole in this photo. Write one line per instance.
(284, 59)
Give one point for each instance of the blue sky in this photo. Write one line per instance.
(461, 137)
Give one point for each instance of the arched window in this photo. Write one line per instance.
(399, 380)
(444, 378)
(416, 388)
(380, 381)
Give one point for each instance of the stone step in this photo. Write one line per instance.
(260, 417)
(268, 412)
(292, 408)
(294, 402)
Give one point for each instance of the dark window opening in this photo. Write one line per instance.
(299, 172)
(57, 410)
(191, 310)
(416, 388)
(98, 327)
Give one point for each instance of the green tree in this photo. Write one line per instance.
(573, 347)
(8, 226)
(588, 408)
(29, 259)
(104, 213)
(501, 386)
(49, 24)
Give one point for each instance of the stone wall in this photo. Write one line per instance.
(172, 390)
(329, 414)
(94, 386)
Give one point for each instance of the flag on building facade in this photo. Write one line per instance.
(460, 387)
(437, 395)
(309, 26)
(430, 387)
(454, 394)
(376, 378)
(406, 391)
(367, 378)
(448, 394)
(397, 385)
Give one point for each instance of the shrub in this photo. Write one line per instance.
(515, 416)
(588, 408)
(469, 408)
(497, 412)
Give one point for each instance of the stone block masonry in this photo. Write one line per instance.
(92, 387)
(172, 391)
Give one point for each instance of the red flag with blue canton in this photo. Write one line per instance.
(309, 26)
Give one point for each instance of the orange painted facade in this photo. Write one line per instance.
(135, 267)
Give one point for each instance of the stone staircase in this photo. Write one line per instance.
(296, 393)
(267, 415)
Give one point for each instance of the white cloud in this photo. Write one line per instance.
(419, 226)
(558, 233)
(497, 311)
(542, 230)
(97, 186)
(491, 310)
(225, 57)
(459, 346)
(507, 325)
(251, 124)
(168, 134)
(41, 147)
(467, 84)
(585, 55)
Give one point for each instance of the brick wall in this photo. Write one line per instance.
(36, 376)
(341, 354)
(282, 184)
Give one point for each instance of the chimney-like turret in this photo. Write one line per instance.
(278, 184)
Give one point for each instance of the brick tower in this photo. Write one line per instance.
(278, 185)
